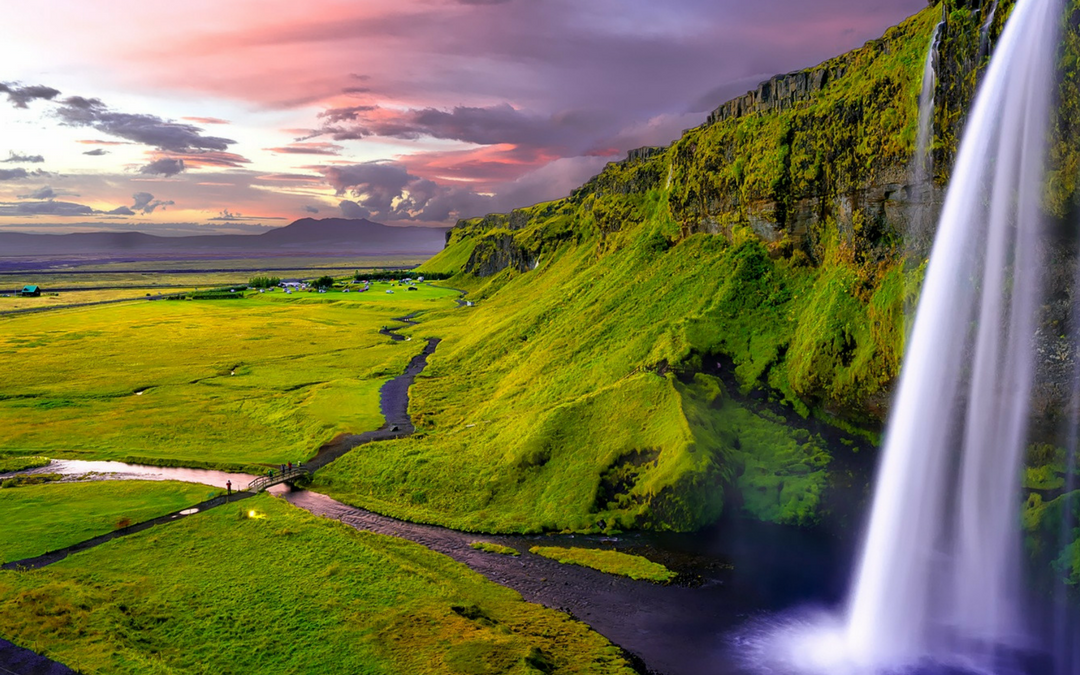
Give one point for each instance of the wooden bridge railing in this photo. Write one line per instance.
(279, 477)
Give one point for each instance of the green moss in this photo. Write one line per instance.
(17, 463)
(489, 547)
(608, 562)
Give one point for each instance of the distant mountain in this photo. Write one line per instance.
(330, 235)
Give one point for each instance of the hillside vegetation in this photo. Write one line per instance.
(612, 372)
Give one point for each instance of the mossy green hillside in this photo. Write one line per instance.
(284, 592)
(261, 380)
(43, 518)
(10, 463)
(608, 562)
(768, 243)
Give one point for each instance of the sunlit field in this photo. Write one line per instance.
(265, 379)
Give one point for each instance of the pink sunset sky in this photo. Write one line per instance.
(180, 117)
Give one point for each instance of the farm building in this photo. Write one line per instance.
(30, 291)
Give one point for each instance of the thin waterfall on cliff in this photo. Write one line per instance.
(984, 33)
(920, 230)
(938, 578)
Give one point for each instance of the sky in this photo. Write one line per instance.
(202, 116)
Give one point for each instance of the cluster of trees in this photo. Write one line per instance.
(263, 282)
(394, 275)
(323, 282)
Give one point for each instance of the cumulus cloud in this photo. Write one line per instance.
(96, 153)
(21, 96)
(146, 204)
(16, 158)
(166, 166)
(387, 191)
(121, 211)
(310, 209)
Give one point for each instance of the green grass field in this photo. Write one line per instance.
(285, 592)
(261, 380)
(43, 518)
(608, 562)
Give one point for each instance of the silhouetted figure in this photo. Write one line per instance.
(228, 486)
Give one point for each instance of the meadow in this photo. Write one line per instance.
(43, 518)
(264, 380)
(285, 591)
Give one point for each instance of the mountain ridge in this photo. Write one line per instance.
(308, 235)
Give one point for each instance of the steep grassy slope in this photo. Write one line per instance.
(767, 244)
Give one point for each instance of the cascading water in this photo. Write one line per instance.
(984, 33)
(917, 238)
(938, 576)
(937, 584)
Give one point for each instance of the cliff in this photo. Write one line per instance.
(658, 346)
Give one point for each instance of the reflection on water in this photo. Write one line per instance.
(122, 471)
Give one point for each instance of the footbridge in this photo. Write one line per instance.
(277, 477)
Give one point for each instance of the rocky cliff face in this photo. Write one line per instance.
(817, 166)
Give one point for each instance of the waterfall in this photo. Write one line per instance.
(937, 585)
(938, 577)
(984, 33)
(919, 232)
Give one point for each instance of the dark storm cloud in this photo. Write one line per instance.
(350, 209)
(166, 166)
(228, 216)
(149, 130)
(96, 153)
(565, 134)
(44, 192)
(45, 208)
(13, 174)
(21, 96)
(16, 158)
(145, 203)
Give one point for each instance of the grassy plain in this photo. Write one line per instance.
(66, 298)
(43, 518)
(226, 383)
(608, 562)
(285, 592)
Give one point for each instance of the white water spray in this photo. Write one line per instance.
(938, 576)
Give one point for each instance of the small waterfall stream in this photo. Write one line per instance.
(920, 231)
